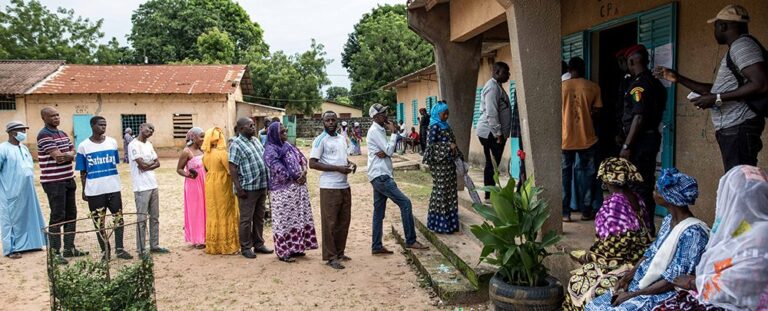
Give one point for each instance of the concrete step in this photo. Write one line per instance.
(448, 282)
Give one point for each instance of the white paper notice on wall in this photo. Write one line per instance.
(662, 56)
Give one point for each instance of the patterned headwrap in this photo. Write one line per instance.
(191, 135)
(618, 172)
(213, 136)
(677, 188)
(437, 109)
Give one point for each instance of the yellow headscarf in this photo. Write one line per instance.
(214, 135)
(618, 172)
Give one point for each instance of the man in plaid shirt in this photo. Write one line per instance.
(249, 174)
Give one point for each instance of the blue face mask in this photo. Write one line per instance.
(21, 136)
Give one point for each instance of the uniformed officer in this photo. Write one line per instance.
(644, 104)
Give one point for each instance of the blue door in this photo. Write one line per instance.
(82, 127)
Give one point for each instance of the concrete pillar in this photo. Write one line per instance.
(534, 36)
(457, 66)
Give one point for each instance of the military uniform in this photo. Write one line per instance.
(645, 96)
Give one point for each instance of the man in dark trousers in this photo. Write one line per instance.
(495, 123)
(644, 105)
(249, 174)
(423, 129)
(56, 152)
(737, 126)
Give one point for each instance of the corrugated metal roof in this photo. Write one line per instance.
(147, 79)
(19, 76)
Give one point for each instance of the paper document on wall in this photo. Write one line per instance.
(662, 56)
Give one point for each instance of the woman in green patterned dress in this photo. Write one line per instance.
(443, 216)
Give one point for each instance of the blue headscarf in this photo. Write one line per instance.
(677, 188)
(437, 109)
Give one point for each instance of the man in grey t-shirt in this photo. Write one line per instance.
(737, 127)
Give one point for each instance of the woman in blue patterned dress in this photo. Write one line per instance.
(443, 215)
(676, 251)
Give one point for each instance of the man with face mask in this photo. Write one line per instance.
(21, 222)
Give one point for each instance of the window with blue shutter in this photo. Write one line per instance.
(415, 109)
(514, 142)
(400, 112)
(576, 45)
(478, 99)
(431, 101)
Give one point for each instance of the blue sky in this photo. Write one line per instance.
(288, 24)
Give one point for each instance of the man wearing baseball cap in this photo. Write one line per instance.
(741, 78)
(21, 221)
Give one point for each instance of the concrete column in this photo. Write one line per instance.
(457, 66)
(534, 36)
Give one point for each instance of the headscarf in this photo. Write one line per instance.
(344, 123)
(214, 135)
(437, 109)
(618, 172)
(356, 124)
(191, 135)
(273, 138)
(677, 188)
(127, 129)
(732, 271)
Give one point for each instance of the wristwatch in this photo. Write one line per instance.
(624, 147)
(718, 101)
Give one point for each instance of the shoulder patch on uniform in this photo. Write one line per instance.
(637, 93)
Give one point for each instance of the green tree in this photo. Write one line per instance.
(167, 30)
(334, 92)
(292, 82)
(215, 47)
(381, 49)
(113, 53)
(29, 30)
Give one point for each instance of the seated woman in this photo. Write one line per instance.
(622, 236)
(732, 273)
(675, 252)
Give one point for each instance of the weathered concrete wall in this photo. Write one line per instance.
(698, 55)
(310, 128)
(207, 111)
(472, 17)
(19, 114)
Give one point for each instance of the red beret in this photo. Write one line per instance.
(620, 53)
(634, 49)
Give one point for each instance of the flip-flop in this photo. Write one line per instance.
(14, 256)
(345, 258)
(335, 264)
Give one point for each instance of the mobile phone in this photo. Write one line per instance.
(693, 95)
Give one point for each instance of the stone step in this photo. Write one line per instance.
(449, 284)
(463, 250)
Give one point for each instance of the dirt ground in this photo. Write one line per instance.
(188, 279)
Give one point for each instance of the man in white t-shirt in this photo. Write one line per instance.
(329, 155)
(97, 158)
(144, 161)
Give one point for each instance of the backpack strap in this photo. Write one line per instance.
(732, 66)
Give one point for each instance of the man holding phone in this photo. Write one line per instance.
(380, 151)
(329, 155)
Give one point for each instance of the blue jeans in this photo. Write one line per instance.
(582, 170)
(384, 187)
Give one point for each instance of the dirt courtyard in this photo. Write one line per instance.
(188, 279)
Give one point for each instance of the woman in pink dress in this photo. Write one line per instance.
(191, 168)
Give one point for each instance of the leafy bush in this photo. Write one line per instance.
(510, 231)
(86, 285)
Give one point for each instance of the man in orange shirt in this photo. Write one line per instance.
(581, 99)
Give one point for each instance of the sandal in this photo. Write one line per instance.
(334, 263)
(14, 256)
(286, 259)
(298, 255)
(345, 258)
(200, 246)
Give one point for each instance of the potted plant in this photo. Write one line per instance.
(510, 237)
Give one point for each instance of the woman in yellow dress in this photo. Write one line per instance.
(223, 215)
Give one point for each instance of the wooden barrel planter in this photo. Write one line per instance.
(510, 297)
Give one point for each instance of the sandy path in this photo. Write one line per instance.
(190, 280)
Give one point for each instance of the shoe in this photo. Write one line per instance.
(587, 217)
(263, 250)
(382, 251)
(14, 255)
(286, 259)
(73, 252)
(567, 219)
(298, 255)
(122, 254)
(334, 263)
(417, 245)
(345, 258)
(199, 246)
(159, 250)
(248, 254)
(60, 260)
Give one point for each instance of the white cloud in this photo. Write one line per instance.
(288, 25)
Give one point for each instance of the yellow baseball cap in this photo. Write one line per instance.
(733, 13)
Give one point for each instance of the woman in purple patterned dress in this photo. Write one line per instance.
(293, 228)
(621, 238)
